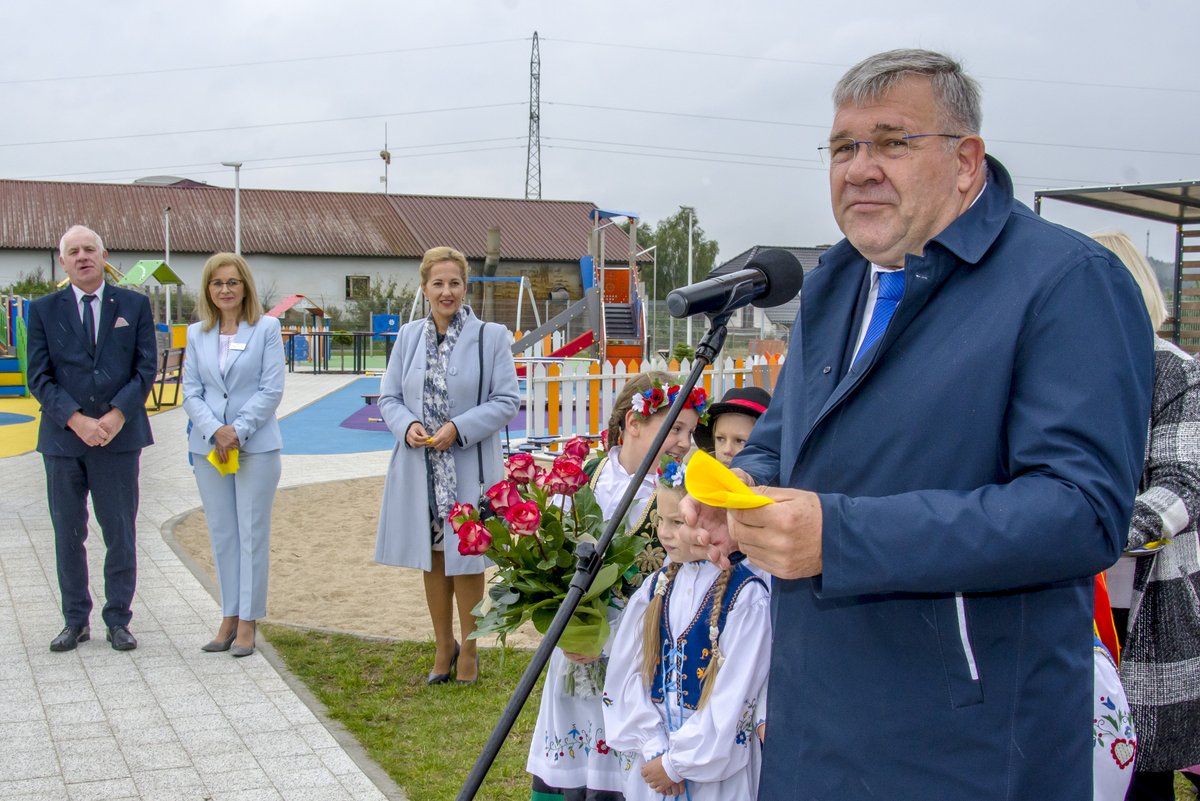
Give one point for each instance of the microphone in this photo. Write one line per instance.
(771, 278)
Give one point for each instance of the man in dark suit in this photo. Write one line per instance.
(91, 365)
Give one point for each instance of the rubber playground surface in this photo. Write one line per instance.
(19, 418)
(340, 422)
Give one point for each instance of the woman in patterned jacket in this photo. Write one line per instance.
(1155, 587)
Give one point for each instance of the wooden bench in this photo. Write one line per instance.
(170, 371)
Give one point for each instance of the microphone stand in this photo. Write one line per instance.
(590, 558)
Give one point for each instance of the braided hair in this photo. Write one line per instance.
(624, 402)
(651, 633)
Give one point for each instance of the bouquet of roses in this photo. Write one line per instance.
(537, 520)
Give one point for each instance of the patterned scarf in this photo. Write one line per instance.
(436, 408)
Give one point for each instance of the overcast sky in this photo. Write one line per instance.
(644, 107)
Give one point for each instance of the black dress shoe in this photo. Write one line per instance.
(69, 637)
(442, 678)
(121, 639)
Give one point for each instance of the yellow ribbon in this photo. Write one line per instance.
(714, 484)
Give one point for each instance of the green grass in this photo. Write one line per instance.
(426, 738)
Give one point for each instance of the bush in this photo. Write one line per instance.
(683, 351)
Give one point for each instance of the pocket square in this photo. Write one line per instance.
(121, 323)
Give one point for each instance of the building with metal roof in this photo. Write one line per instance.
(324, 245)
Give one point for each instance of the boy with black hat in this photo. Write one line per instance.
(730, 421)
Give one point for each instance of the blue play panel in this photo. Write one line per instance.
(10, 419)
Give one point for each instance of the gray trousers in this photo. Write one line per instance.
(238, 509)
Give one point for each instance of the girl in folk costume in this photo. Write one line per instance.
(687, 669)
(569, 756)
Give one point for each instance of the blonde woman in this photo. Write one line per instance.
(232, 384)
(449, 389)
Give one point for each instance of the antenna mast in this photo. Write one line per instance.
(386, 155)
(533, 150)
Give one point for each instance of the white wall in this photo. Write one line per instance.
(320, 278)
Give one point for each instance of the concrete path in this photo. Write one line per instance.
(165, 721)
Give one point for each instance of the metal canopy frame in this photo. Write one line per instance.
(1175, 203)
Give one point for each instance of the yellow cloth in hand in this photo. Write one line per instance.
(229, 467)
(714, 484)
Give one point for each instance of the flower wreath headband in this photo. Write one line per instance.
(652, 401)
(671, 471)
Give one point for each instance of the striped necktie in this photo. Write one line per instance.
(891, 288)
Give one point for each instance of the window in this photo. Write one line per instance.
(358, 287)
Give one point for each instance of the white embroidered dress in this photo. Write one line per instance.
(714, 748)
(569, 747)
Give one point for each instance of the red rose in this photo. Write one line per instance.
(577, 447)
(523, 518)
(459, 514)
(566, 476)
(520, 468)
(473, 538)
(503, 495)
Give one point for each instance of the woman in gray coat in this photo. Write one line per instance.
(449, 388)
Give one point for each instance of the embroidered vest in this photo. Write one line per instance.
(688, 655)
(651, 559)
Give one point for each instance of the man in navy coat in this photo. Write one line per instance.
(954, 445)
(91, 365)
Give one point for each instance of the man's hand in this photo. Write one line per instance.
(783, 538)
(87, 429)
(112, 422)
(226, 440)
(445, 436)
(707, 527)
(656, 776)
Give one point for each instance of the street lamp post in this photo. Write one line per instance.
(653, 251)
(690, 217)
(237, 204)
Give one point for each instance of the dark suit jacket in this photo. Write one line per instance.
(65, 379)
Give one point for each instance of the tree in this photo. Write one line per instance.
(670, 238)
(31, 285)
(383, 296)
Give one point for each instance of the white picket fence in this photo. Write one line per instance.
(568, 397)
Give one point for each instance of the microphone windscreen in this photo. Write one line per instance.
(784, 273)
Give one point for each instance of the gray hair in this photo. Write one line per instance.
(62, 242)
(956, 93)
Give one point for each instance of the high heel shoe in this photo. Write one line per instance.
(239, 651)
(442, 678)
(216, 646)
(474, 680)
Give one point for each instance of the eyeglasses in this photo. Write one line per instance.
(232, 283)
(889, 145)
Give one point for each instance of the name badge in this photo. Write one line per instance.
(237, 345)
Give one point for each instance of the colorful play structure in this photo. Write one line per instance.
(301, 339)
(614, 308)
(12, 346)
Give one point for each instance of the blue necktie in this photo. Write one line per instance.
(891, 287)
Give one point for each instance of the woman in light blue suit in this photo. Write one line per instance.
(232, 384)
(449, 388)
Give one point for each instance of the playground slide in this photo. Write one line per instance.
(575, 346)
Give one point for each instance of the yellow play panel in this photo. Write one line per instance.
(19, 419)
(18, 425)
